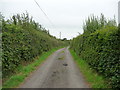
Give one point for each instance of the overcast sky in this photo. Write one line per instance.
(67, 16)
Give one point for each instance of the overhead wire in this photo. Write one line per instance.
(43, 12)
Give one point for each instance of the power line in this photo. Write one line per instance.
(43, 12)
(46, 15)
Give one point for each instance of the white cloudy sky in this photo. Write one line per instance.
(67, 16)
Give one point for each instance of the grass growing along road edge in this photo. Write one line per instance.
(24, 71)
(94, 79)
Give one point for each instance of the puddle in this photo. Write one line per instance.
(54, 73)
(65, 64)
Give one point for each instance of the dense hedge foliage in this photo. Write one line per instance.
(99, 45)
(22, 40)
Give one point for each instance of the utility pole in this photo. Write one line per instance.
(119, 12)
(60, 35)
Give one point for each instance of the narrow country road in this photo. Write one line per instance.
(58, 71)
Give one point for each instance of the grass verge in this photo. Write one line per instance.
(24, 71)
(94, 79)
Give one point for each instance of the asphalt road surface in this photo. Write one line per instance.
(58, 71)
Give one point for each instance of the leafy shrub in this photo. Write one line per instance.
(22, 40)
(101, 49)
